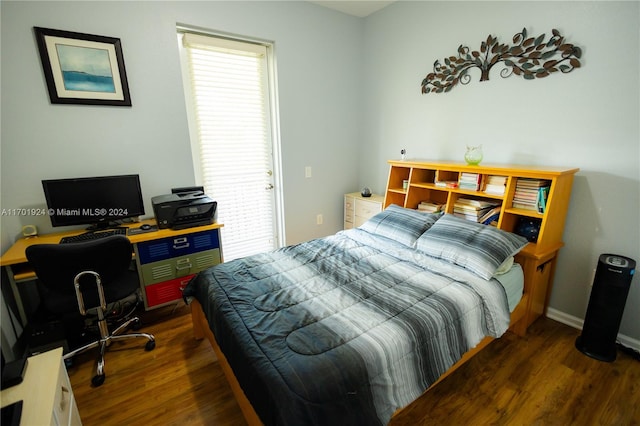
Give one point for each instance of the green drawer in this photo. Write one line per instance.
(177, 267)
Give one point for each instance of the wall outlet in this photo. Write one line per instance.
(319, 219)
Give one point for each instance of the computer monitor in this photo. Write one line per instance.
(100, 202)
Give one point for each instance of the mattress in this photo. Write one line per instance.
(346, 329)
(513, 284)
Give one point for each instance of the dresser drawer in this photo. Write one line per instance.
(348, 209)
(366, 209)
(181, 266)
(64, 410)
(358, 209)
(166, 248)
(167, 291)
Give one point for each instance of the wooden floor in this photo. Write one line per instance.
(177, 383)
(540, 379)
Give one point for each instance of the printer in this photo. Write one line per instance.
(183, 210)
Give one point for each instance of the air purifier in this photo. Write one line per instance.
(606, 306)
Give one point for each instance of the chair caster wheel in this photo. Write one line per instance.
(151, 344)
(97, 380)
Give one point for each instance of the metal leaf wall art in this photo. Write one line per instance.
(529, 57)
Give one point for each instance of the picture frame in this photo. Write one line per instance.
(83, 68)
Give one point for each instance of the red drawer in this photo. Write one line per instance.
(167, 291)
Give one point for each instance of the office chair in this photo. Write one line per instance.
(86, 277)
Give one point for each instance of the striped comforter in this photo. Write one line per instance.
(345, 329)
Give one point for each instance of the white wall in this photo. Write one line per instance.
(588, 118)
(350, 99)
(319, 66)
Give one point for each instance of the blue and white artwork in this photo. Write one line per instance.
(85, 69)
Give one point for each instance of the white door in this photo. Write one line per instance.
(230, 92)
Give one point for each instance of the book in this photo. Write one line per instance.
(494, 189)
(543, 193)
(469, 177)
(497, 180)
(475, 213)
(530, 195)
(466, 216)
(476, 210)
(526, 197)
(477, 203)
(446, 183)
(465, 207)
(531, 183)
(524, 206)
(492, 220)
(472, 212)
(490, 216)
(429, 207)
(471, 181)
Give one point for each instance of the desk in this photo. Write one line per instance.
(165, 259)
(45, 391)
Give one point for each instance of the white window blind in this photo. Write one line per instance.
(230, 102)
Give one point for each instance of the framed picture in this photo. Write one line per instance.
(83, 68)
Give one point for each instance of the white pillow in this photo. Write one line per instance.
(505, 267)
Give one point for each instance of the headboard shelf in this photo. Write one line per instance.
(529, 196)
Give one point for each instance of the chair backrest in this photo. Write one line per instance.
(56, 265)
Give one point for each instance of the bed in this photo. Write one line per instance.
(351, 328)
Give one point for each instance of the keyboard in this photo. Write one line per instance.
(93, 235)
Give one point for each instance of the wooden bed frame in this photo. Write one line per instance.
(538, 260)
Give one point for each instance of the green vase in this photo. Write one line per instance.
(473, 156)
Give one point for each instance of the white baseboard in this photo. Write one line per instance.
(577, 323)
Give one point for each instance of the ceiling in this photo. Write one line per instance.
(359, 8)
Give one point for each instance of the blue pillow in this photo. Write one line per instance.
(400, 224)
(476, 247)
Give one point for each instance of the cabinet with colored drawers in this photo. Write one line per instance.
(166, 265)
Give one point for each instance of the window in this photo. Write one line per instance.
(230, 94)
